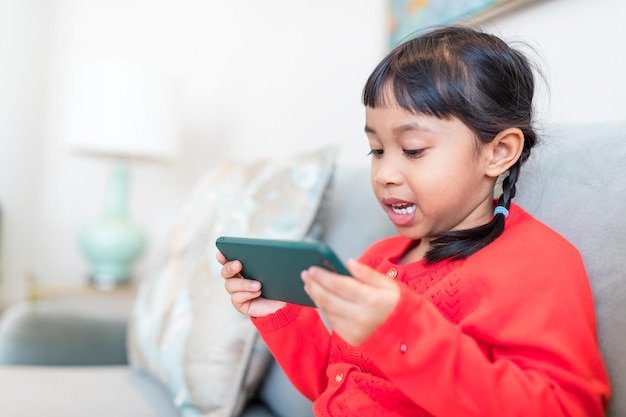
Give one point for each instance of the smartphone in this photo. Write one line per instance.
(277, 264)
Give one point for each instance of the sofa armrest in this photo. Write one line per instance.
(38, 334)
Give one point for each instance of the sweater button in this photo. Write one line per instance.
(392, 273)
(339, 377)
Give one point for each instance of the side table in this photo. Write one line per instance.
(85, 299)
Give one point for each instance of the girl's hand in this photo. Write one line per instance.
(354, 307)
(245, 294)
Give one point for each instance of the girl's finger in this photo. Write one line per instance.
(231, 269)
(220, 258)
(234, 285)
(368, 275)
(347, 287)
(329, 289)
(240, 298)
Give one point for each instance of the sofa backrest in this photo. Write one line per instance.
(575, 182)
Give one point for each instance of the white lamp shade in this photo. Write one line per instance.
(120, 108)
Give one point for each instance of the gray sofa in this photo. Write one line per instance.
(61, 363)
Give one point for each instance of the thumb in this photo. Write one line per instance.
(367, 275)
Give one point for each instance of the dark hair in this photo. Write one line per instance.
(475, 77)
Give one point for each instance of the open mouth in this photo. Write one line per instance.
(403, 208)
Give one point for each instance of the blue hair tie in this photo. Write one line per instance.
(501, 210)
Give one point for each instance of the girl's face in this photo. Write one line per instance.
(428, 174)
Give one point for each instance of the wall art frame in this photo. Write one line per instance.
(408, 17)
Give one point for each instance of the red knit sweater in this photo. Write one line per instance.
(510, 331)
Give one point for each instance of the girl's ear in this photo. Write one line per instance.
(504, 151)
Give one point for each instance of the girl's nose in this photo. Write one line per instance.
(386, 173)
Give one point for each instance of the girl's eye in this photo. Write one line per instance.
(413, 153)
(376, 153)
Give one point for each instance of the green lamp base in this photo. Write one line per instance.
(112, 243)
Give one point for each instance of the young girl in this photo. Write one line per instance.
(476, 308)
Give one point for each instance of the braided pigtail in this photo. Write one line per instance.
(459, 244)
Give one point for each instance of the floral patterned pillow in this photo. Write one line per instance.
(184, 330)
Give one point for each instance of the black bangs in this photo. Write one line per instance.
(419, 83)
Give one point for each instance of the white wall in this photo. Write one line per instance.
(254, 79)
(581, 44)
(23, 25)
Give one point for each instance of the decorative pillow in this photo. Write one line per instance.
(184, 330)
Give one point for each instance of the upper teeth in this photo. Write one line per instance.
(403, 209)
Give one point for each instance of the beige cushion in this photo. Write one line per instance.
(184, 330)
